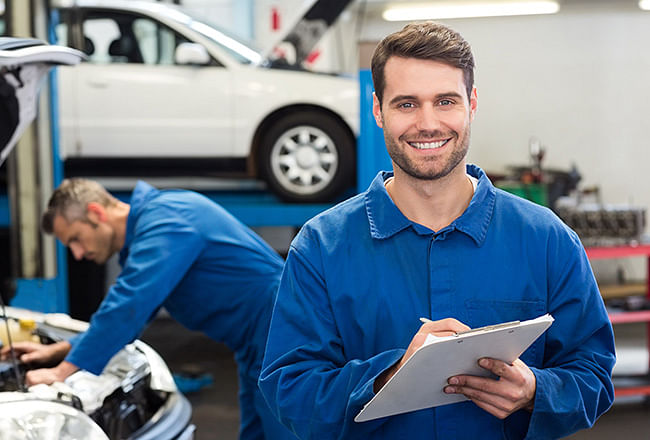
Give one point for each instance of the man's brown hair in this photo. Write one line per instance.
(425, 41)
(70, 200)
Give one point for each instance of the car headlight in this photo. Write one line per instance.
(34, 419)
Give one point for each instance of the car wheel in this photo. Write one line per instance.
(308, 157)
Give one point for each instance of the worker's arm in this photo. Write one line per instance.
(309, 383)
(161, 253)
(574, 385)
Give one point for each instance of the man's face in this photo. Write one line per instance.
(89, 239)
(426, 117)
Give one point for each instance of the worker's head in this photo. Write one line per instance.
(423, 41)
(77, 214)
(425, 100)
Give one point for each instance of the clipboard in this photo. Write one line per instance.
(419, 383)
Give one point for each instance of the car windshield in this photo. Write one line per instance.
(234, 45)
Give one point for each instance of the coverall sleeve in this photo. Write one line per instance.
(575, 387)
(160, 255)
(306, 378)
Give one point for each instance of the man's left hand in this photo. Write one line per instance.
(514, 390)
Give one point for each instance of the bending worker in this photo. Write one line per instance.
(434, 239)
(178, 250)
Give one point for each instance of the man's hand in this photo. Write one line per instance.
(514, 390)
(50, 375)
(33, 352)
(443, 327)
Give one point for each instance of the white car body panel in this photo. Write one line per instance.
(136, 110)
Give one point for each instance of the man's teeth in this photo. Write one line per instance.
(428, 145)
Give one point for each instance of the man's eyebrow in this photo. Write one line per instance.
(449, 95)
(400, 98)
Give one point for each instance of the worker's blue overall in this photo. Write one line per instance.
(358, 277)
(187, 254)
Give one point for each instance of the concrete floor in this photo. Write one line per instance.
(216, 412)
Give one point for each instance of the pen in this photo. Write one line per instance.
(478, 329)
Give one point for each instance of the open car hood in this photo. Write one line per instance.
(313, 21)
(24, 62)
(134, 397)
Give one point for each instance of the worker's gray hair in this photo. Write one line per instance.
(425, 41)
(70, 200)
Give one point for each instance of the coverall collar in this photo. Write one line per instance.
(386, 219)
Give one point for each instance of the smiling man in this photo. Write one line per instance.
(434, 238)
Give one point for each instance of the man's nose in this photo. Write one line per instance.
(427, 118)
(77, 251)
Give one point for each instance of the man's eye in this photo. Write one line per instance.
(406, 105)
(446, 102)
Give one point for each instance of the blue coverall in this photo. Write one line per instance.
(187, 254)
(358, 277)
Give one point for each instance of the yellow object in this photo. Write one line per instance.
(21, 330)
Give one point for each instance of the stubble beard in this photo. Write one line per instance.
(428, 169)
(104, 244)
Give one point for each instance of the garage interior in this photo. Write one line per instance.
(561, 121)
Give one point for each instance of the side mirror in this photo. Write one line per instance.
(191, 53)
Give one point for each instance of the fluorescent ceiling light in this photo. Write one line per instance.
(470, 9)
(644, 4)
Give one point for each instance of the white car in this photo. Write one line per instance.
(161, 85)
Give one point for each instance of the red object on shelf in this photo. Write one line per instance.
(595, 253)
(626, 317)
(632, 391)
(602, 252)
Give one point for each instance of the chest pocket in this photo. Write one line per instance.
(487, 312)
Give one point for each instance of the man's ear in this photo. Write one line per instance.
(376, 111)
(473, 103)
(96, 213)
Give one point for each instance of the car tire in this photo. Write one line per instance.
(308, 157)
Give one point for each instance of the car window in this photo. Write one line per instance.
(125, 38)
(99, 34)
(156, 42)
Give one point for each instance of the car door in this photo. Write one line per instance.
(134, 100)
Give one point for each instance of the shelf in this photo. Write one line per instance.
(631, 385)
(623, 290)
(627, 385)
(602, 252)
(628, 317)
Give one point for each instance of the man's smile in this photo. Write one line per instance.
(428, 145)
